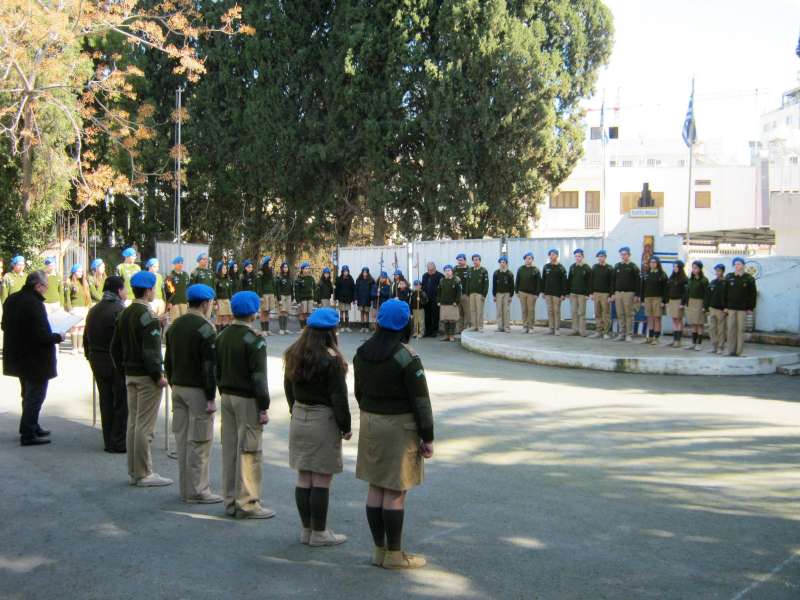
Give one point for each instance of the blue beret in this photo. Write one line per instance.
(76, 267)
(398, 272)
(323, 318)
(151, 262)
(199, 292)
(178, 260)
(384, 274)
(231, 264)
(393, 315)
(552, 251)
(601, 253)
(526, 255)
(201, 256)
(265, 260)
(461, 256)
(720, 266)
(96, 263)
(699, 263)
(326, 270)
(738, 259)
(625, 249)
(417, 282)
(679, 263)
(576, 251)
(17, 260)
(503, 259)
(244, 304)
(247, 262)
(143, 279)
(476, 255)
(284, 264)
(305, 265)
(447, 268)
(219, 266)
(345, 268)
(50, 260)
(365, 269)
(128, 252)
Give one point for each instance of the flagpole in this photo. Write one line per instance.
(603, 142)
(689, 203)
(690, 137)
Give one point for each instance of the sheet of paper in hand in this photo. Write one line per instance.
(61, 321)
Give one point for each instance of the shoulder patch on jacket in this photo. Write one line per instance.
(146, 318)
(249, 337)
(404, 356)
(206, 330)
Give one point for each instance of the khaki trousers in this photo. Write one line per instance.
(463, 314)
(503, 305)
(736, 319)
(241, 454)
(602, 313)
(553, 312)
(144, 400)
(325, 302)
(625, 312)
(476, 302)
(528, 304)
(717, 328)
(419, 321)
(194, 433)
(177, 310)
(577, 304)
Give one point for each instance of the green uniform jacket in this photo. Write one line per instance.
(74, 296)
(176, 287)
(96, 287)
(158, 288)
(529, 280)
(324, 289)
(126, 271)
(627, 278)
(602, 280)
(676, 288)
(654, 285)
(554, 280)
(136, 345)
(248, 282)
(449, 291)
(462, 273)
(304, 288)
(190, 356)
(579, 280)
(241, 367)
(394, 387)
(13, 282)
(284, 286)
(740, 293)
(418, 299)
(715, 296)
(697, 289)
(204, 276)
(224, 288)
(477, 281)
(502, 282)
(329, 388)
(266, 284)
(55, 290)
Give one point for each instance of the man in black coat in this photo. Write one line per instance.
(430, 285)
(29, 353)
(100, 324)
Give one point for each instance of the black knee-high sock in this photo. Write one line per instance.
(264, 325)
(376, 526)
(694, 337)
(657, 334)
(680, 335)
(651, 333)
(302, 497)
(319, 508)
(393, 521)
(674, 336)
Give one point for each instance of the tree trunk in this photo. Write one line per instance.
(26, 190)
(379, 226)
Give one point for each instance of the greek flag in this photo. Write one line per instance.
(603, 130)
(689, 129)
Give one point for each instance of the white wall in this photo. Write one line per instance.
(784, 210)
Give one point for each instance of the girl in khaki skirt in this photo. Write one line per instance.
(696, 292)
(314, 382)
(676, 292)
(654, 292)
(396, 430)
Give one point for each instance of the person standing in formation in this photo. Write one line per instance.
(579, 283)
(715, 307)
(158, 306)
(430, 284)
(654, 293)
(77, 301)
(627, 290)
(136, 352)
(248, 282)
(602, 286)
(396, 281)
(696, 292)
(127, 269)
(344, 294)
(234, 276)
(740, 301)
(268, 292)
(396, 431)
(304, 293)
(363, 292)
(478, 289)
(554, 288)
(177, 283)
(502, 293)
(676, 295)
(418, 301)
(403, 292)
(316, 390)
(324, 293)
(190, 364)
(461, 270)
(527, 286)
(202, 273)
(284, 288)
(382, 291)
(97, 279)
(15, 279)
(241, 373)
(100, 324)
(54, 298)
(449, 294)
(223, 288)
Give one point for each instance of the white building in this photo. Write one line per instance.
(780, 143)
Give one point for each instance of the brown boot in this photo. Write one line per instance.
(402, 560)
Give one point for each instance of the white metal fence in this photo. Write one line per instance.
(167, 251)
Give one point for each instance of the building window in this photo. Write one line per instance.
(653, 162)
(630, 200)
(613, 133)
(564, 200)
(627, 163)
(612, 163)
(702, 182)
(595, 133)
(789, 120)
(681, 163)
(592, 202)
(702, 199)
(793, 160)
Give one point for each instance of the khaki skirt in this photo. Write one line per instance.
(315, 442)
(652, 307)
(285, 303)
(268, 302)
(224, 308)
(448, 312)
(80, 311)
(344, 306)
(388, 451)
(675, 309)
(306, 307)
(694, 312)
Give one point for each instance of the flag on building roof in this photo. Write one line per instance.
(689, 128)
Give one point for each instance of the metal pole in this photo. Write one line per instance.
(603, 143)
(178, 105)
(689, 202)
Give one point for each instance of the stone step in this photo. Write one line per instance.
(793, 369)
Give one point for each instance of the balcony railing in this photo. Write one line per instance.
(592, 221)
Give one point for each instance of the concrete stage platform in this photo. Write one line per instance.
(625, 357)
